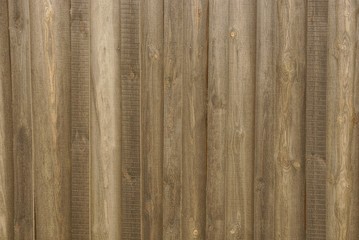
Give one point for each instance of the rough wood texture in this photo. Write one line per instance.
(179, 120)
(240, 119)
(264, 171)
(195, 14)
(152, 117)
(172, 122)
(130, 119)
(342, 173)
(6, 141)
(50, 68)
(19, 21)
(317, 24)
(80, 111)
(105, 124)
(217, 117)
(289, 124)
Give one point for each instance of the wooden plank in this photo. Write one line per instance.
(342, 213)
(354, 214)
(6, 131)
(152, 117)
(264, 171)
(317, 18)
(217, 117)
(80, 112)
(51, 79)
(105, 121)
(173, 82)
(130, 120)
(240, 119)
(19, 21)
(195, 19)
(289, 126)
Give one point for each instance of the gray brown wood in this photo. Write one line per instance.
(240, 120)
(80, 112)
(289, 125)
(172, 122)
(176, 120)
(264, 170)
(317, 26)
(19, 28)
(51, 78)
(6, 123)
(342, 172)
(151, 118)
(217, 117)
(130, 119)
(105, 126)
(195, 18)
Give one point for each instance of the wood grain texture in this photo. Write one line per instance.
(172, 123)
(195, 17)
(80, 113)
(217, 118)
(317, 28)
(6, 131)
(19, 23)
(130, 60)
(289, 125)
(152, 117)
(342, 172)
(51, 79)
(240, 120)
(105, 131)
(264, 170)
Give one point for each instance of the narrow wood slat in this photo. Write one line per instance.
(289, 146)
(151, 118)
(342, 134)
(51, 85)
(130, 120)
(194, 158)
(217, 118)
(105, 126)
(241, 38)
(6, 130)
(264, 170)
(80, 104)
(172, 125)
(317, 18)
(19, 26)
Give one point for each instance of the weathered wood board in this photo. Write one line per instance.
(177, 120)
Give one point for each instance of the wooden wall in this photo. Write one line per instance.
(178, 120)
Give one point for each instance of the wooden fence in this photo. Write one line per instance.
(179, 120)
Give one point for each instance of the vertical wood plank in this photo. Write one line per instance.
(289, 126)
(217, 117)
(50, 68)
(341, 141)
(240, 119)
(6, 144)
(317, 24)
(80, 113)
(151, 117)
(264, 170)
(354, 214)
(195, 20)
(173, 84)
(19, 21)
(105, 121)
(130, 120)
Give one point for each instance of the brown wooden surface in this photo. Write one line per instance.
(50, 82)
(177, 120)
(6, 130)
